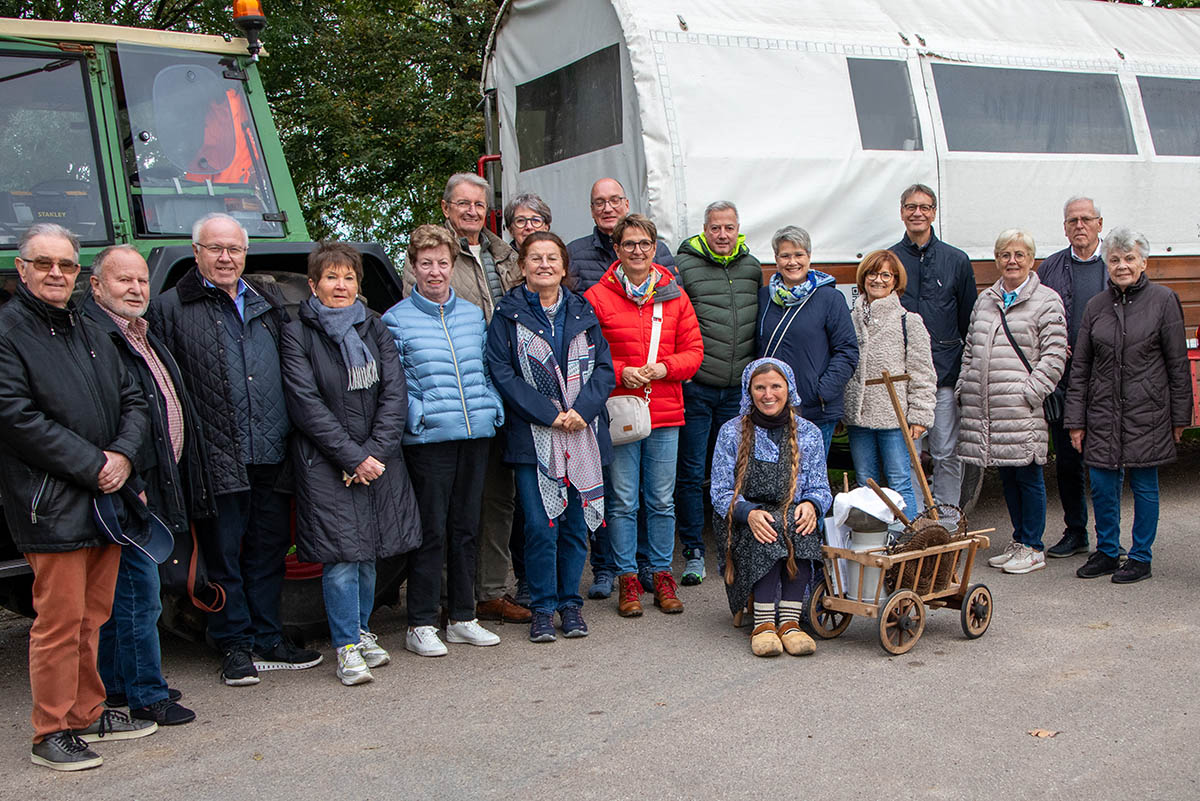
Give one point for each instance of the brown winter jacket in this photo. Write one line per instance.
(1130, 379)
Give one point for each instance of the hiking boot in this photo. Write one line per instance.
(1025, 560)
(352, 668)
(504, 609)
(286, 655)
(795, 641)
(693, 568)
(424, 641)
(602, 584)
(522, 596)
(999, 559)
(372, 654)
(120, 699)
(629, 604)
(1130, 571)
(165, 713)
(571, 618)
(764, 640)
(541, 628)
(237, 669)
(64, 751)
(115, 725)
(1072, 542)
(469, 632)
(664, 593)
(1097, 565)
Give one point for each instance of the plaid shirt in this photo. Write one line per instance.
(134, 332)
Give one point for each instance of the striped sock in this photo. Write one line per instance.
(763, 613)
(789, 610)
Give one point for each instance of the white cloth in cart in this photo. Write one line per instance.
(838, 534)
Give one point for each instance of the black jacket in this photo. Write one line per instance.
(188, 319)
(588, 257)
(1131, 383)
(336, 430)
(65, 397)
(941, 288)
(176, 493)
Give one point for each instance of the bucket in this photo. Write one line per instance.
(861, 541)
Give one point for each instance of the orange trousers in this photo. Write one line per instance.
(73, 597)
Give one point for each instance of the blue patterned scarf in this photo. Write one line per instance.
(784, 295)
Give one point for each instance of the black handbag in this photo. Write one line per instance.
(1052, 406)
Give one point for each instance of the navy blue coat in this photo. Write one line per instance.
(524, 404)
(590, 256)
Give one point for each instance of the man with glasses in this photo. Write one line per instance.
(591, 255)
(224, 334)
(71, 421)
(941, 288)
(1077, 274)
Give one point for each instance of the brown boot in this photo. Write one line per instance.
(764, 641)
(629, 590)
(795, 641)
(664, 593)
(504, 608)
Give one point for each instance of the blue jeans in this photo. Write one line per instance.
(644, 470)
(129, 657)
(881, 452)
(706, 408)
(554, 550)
(349, 589)
(1025, 496)
(601, 541)
(827, 430)
(1106, 503)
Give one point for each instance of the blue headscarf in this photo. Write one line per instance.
(747, 404)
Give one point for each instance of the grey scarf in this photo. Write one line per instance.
(339, 325)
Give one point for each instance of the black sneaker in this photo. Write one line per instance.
(1131, 570)
(1098, 564)
(64, 751)
(1072, 542)
(286, 655)
(165, 713)
(237, 670)
(572, 621)
(120, 699)
(541, 627)
(114, 725)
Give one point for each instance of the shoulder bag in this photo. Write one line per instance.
(1052, 406)
(629, 415)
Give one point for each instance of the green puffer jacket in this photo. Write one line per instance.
(725, 297)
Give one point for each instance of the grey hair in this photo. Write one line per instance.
(103, 256)
(47, 229)
(794, 234)
(467, 178)
(918, 189)
(530, 201)
(198, 226)
(1080, 199)
(1125, 240)
(1010, 235)
(720, 205)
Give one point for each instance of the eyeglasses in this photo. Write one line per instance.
(615, 201)
(882, 278)
(641, 244)
(233, 250)
(924, 208)
(1074, 221)
(45, 265)
(464, 205)
(528, 222)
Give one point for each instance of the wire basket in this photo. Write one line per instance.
(926, 531)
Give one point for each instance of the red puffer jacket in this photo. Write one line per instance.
(626, 326)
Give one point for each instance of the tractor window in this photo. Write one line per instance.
(1173, 111)
(191, 146)
(50, 172)
(883, 102)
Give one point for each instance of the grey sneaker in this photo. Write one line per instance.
(64, 751)
(352, 669)
(602, 584)
(693, 568)
(116, 725)
(372, 654)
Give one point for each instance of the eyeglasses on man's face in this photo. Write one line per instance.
(467, 205)
(912, 208)
(44, 265)
(233, 250)
(600, 203)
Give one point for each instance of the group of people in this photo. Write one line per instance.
(529, 402)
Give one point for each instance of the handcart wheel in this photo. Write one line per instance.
(976, 612)
(901, 621)
(825, 623)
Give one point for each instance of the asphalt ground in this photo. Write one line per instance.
(676, 707)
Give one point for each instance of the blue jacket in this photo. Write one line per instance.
(527, 405)
(941, 288)
(450, 395)
(590, 256)
(820, 346)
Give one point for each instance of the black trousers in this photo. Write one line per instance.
(448, 480)
(1072, 487)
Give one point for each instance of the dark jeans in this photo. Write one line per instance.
(554, 550)
(706, 409)
(1025, 495)
(516, 540)
(129, 658)
(447, 478)
(1072, 489)
(244, 548)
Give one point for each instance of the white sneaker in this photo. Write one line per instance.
(372, 654)
(999, 559)
(352, 669)
(471, 633)
(1026, 560)
(423, 641)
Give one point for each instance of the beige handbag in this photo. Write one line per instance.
(629, 415)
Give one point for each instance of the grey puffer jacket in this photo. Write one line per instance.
(881, 346)
(1002, 420)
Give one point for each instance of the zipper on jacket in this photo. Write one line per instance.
(462, 394)
(733, 340)
(37, 499)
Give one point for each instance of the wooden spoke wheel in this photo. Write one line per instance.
(825, 623)
(901, 621)
(976, 613)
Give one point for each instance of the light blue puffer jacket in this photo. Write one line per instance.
(450, 394)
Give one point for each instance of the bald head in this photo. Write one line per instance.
(609, 204)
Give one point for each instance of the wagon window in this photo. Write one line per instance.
(574, 110)
(999, 110)
(1173, 111)
(883, 101)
